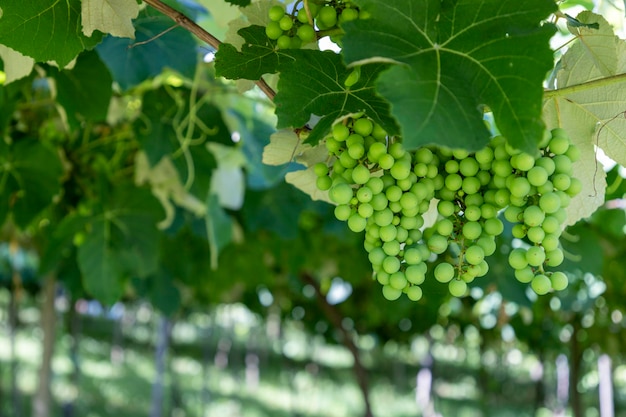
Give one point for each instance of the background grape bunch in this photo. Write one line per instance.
(386, 191)
(309, 21)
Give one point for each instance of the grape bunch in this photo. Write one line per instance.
(384, 190)
(308, 21)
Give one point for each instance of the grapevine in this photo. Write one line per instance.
(384, 190)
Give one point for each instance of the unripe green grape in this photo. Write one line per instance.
(391, 264)
(513, 214)
(523, 161)
(327, 17)
(444, 227)
(533, 216)
(375, 184)
(437, 244)
(536, 234)
(296, 42)
(389, 292)
(400, 169)
(376, 256)
(498, 181)
(412, 256)
(459, 153)
(382, 277)
(363, 126)
(472, 230)
(364, 194)
(375, 151)
(517, 258)
(409, 223)
(561, 181)
(551, 224)
(484, 156)
(320, 169)
(444, 272)
(379, 202)
(348, 15)
(386, 161)
(397, 280)
(524, 275)
(502, 197)
(285, 23)
(341, 193)
(340, 132)
(537, 176)
(354, 139)
(306, 33)
(346, 160)
(360, 174)
(472, 213)
(379, 133)
(519, 231)
(484, 177)
(446, 208)
(547, 164)
(550, 242)
(561, 215)
(324, 183)
(420, 169)
(573, 153)
(520, 187)
(356, 151)
(394, 193)
(408, 200)
(447, 194)
(414, 293)
(558, 145)
(451, 166)
(468, 167)
(474, 254)
(273, 30)
(457, 287)
(575, 187)
(276, 13)
(453, 182)
(483, 268)
(388, 233)
(343, 212)
(470, 185)
(405, 184)
(352, 79)
(558, 280)
(502, 168)
(562, 165)
(332, 145)
(487, 211)
(541, 284)
(473, 200)
(365, 210)
(488, 244)
(550, 202)
(500, 153)
(347, 175)
(554, 257)
(493, 227)
(423, 155)
(392, 248)
(433, 171)
(356, 223)
(535, 255)
(302, 16)
(397, 150)
(383, 217)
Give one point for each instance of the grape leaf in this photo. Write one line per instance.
(305, 181)
(16, 65)
(30, 176)
(592, 112)
(166, 47)
(241, 3)
(459, 57)
(81, 97)
(284, 146)
(228, 181)
(33, 28)
(219, 228)
(109, 16)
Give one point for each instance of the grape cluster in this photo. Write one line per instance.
(382, 189)
(308, 22)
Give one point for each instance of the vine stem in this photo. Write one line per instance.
(188, 24)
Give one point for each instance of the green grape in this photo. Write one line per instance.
(502, 197)
(363, 126)
(437, 244)
(550, 224)
(535, 255)
(397, 280)
(561, 181)
(332, 146)
(474, 254)
(421, 170)
(410, 222)
(550, 202)
(356, 223)
(401, 169)
(391, 264)
(472, 213)
(502, 168)
(524, 275)
(575, 187)
(523, 161)
(296, 42)
(457, 287)
(562, 165)
(285, 23)
(453, 182)
(558, 281)
(327, 17)
(424, 156)
(364, 194)
(383, 217)
(388, 233)
(340, 132)
(379, 133)
(573, 153)
(517, 258)
(533, 216)
(470, 185)
(541, 284)
(341, 193)
(554, 257)
(397, 151)
(382, 277)
(517, 201)
(484, 156)
(414, 293)
(513, 214)
(324, 183)
(483, 268)
(306, 32)
(412, 256)
(353, 139)
(394, 193)
(356, 151)
(451, 166)
(346, 160)
(446, 208)
(536, 234)
(493, 227)
(537, 176)
(320, 169)
(488, 244)
(348, 15)
(392, 248)
(520, 187)
(487, 211)
(343, 212)
(376, 256)
(547, 187)
(474, 200)
(386, 161)
(375, 184)
(379, 202)
(444, 272)
(445, 227)
(389, 292)
(519, 231)
(360, 174)
(273, 30)
(408, 200)
(547, 164)
(559, 145)
(376, 150)
(365, 210)
(468, 167)
(472, 230)
(550, 242)
(276, 13)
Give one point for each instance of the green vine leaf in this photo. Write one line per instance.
(109, 16)
(16, 65)
(456, 58)
(33, 28)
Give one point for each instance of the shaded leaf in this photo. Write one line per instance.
(114, 17)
